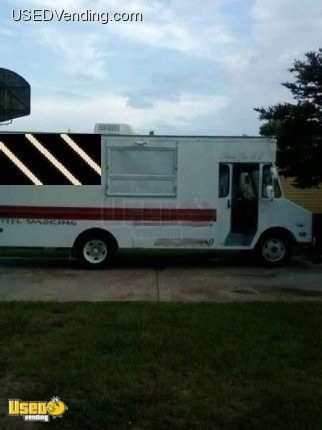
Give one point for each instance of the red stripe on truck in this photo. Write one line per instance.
(108, 214)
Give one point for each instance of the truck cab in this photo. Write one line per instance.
(257, 214)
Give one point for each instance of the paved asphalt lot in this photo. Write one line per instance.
(193, 279)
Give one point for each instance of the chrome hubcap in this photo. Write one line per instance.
(95, 251)
(274, 250)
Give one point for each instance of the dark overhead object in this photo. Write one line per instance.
(23, 163)
(14, 96)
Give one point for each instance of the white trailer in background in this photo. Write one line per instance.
(162, 192)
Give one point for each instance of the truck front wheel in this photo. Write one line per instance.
(274, 250)
(94, 252)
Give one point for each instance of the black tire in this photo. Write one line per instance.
(94, 252)
(274, 250)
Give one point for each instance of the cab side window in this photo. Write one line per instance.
(268, 179)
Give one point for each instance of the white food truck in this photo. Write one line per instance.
(153, 192)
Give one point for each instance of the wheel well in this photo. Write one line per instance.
(280, 231)
(96, 232)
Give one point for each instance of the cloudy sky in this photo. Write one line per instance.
(189, 67)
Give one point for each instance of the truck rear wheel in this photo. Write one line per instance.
(94, 252)
(274, 250)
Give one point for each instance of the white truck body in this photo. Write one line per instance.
(161, 192)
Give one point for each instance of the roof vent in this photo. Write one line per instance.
(113, 129)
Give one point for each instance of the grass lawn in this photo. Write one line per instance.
(165, 366)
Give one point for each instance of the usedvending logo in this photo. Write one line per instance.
(37, 411)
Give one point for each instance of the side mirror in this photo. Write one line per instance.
(274, 172)
(270, 192)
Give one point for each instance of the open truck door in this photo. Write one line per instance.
(238, 203)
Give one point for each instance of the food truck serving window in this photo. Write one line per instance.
(142, 171)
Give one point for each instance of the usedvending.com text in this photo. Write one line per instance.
(89, 15)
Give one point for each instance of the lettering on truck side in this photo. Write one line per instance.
(53, 222)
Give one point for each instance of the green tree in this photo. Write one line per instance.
(298, 125)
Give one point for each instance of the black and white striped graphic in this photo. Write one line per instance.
(50, 159)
